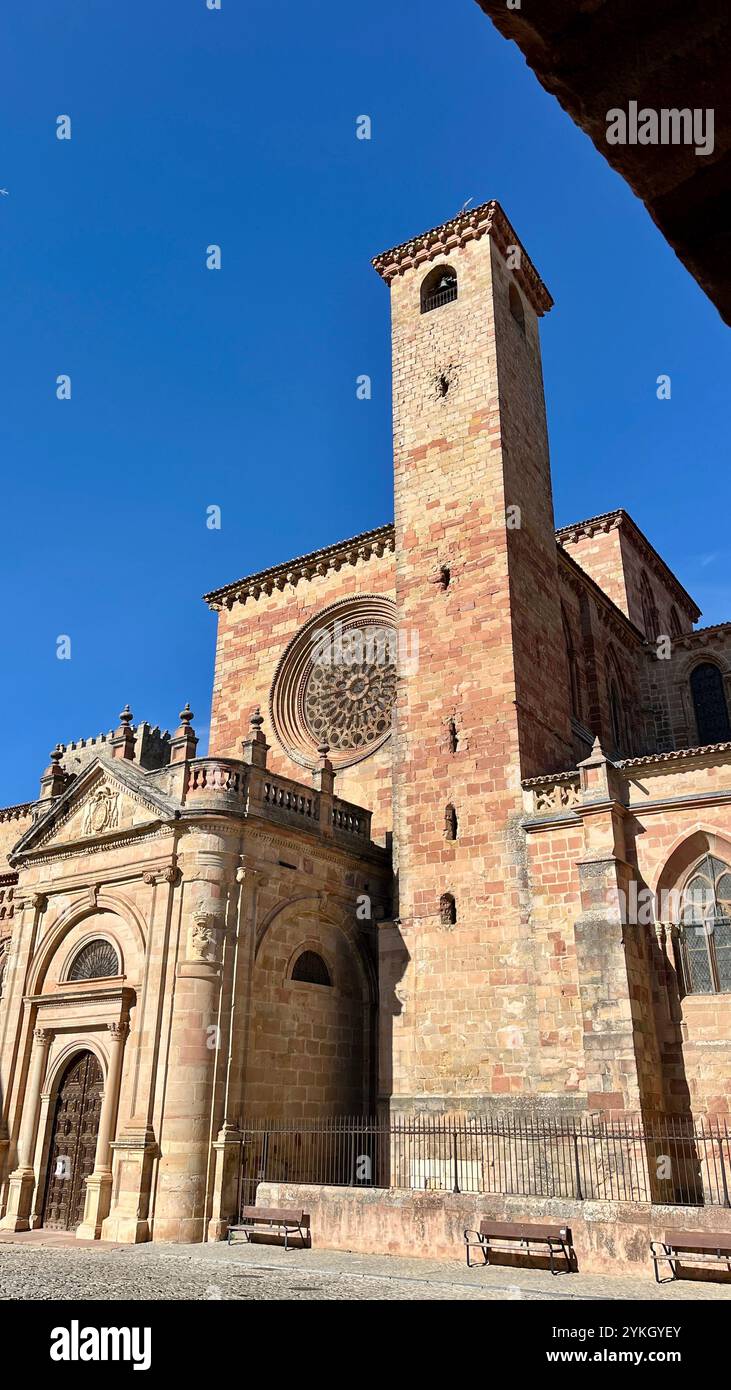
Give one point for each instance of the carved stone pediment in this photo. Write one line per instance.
(105, 808)
(109, 798)
(101, 811)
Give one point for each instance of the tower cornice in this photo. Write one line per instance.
(486, 220)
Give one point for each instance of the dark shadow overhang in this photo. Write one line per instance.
(597, 55)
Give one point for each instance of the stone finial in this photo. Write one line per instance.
(54, 778)
(255, 747)
(600, 779)
(323, 775)
(123, 741)
(184, 742)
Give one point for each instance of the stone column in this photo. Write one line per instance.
(23, 1179)
(190, 1121)
(229, 1142)
(228, 1151)
(99, 1183)
(134, 1147)
(601, 937)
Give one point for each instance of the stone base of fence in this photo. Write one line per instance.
(609, 1237)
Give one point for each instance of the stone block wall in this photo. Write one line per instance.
(632, 1039)
(14, 821)
(489, 697)
(252, 637)
(310, 1047)
(609, 1237)
(616, 555)
(667, 691)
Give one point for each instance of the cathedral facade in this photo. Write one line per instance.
(461, 842)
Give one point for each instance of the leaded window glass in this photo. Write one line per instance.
(95, 961)
(705, 934)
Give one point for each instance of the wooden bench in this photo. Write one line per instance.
(556, 1238)
(273, 1218)
(696, 1247)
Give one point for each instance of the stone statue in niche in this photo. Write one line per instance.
(101, 811)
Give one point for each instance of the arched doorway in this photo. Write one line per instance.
(73, 1142)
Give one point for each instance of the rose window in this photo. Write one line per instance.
(348, 703)
(336, 683)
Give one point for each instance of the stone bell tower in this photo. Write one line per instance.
(486, 702)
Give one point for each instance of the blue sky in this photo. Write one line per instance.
(193, 388)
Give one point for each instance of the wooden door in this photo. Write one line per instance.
(73, 1142)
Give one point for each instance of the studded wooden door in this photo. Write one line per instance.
(73, 1142)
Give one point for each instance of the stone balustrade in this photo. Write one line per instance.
(290, 798)
(216, 781)
(348, 819)
(225, 782)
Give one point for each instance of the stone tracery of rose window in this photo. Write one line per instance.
(349, 703)
(336, 682)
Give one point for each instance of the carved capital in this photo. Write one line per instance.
(118, 1030)
(167, 875)
(253, 872)
(39, 901)
(42, 1036)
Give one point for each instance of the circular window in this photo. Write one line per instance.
(336, 683)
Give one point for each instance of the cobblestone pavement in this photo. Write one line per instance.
(32, 1269)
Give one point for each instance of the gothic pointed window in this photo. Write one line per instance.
(615, 710)
(619, 716)
(572, 664)
(310, 969)
(95, 961)
(709, 703)
(650, 620)
(704, 939)
(438, 288)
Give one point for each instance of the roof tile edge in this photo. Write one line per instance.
(610, 521)
(361, 547)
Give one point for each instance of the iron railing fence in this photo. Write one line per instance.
(435, 301)
(666, 1159)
